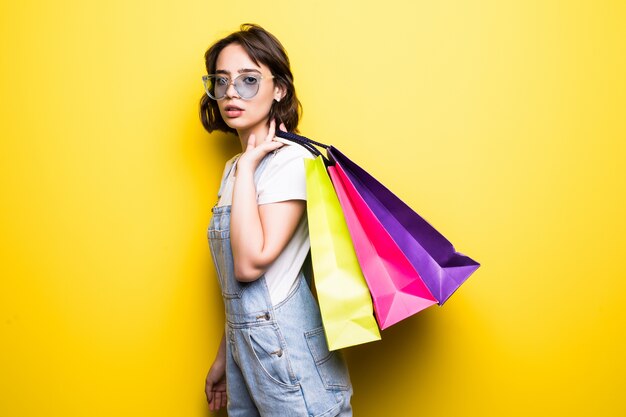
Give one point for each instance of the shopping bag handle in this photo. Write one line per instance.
(298, 138)
(308, 144)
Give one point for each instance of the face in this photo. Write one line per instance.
(245, 116)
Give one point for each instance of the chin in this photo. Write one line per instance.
(243, 124)
(237, 124)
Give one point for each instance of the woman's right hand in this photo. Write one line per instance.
(257, 148)
(215, 387)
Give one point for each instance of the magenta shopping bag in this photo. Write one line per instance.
(440, 266)
(397, 289)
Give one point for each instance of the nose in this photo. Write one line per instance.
(231, 91)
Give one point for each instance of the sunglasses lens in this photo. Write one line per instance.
(247, 85)
(217, 86)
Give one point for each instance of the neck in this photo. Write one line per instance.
(260, 133)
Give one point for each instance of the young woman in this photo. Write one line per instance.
(273, 359)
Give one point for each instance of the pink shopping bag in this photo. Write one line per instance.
(397, 289)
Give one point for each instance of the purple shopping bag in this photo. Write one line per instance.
(431, 254)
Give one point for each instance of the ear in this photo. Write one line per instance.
(279, 92)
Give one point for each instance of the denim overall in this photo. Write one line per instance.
(277, 358)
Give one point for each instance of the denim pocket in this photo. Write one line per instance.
(330, 365)
(267, 349)
(223, 260)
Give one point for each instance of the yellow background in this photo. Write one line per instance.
(502, 123)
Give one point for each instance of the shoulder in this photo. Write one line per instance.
(231, 161)
(289, 155)
(229, 164)
(288, 160)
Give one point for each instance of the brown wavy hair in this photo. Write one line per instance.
(264, 48)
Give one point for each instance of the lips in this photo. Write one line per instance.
(233, 111)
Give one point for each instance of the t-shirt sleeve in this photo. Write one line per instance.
(284, 178)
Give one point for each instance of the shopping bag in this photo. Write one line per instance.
(343, 295)
(397, 289)
(441, 267)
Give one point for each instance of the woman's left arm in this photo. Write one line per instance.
(258, 234)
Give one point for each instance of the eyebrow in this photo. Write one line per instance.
(241, 71)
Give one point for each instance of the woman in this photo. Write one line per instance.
(273, 359)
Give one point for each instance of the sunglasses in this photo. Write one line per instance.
(246, 85)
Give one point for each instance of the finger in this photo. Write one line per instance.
(272, 146)
(281, 140)
(282, 127)
(224, 400)
(208, 390)
(272, 130)
(218, 400)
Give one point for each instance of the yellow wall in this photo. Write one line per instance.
(502, 123)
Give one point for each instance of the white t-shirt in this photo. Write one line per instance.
(282, 179)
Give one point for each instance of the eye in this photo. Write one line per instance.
(250, 80)
(221, 81)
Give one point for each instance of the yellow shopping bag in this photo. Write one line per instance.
(343, 295)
